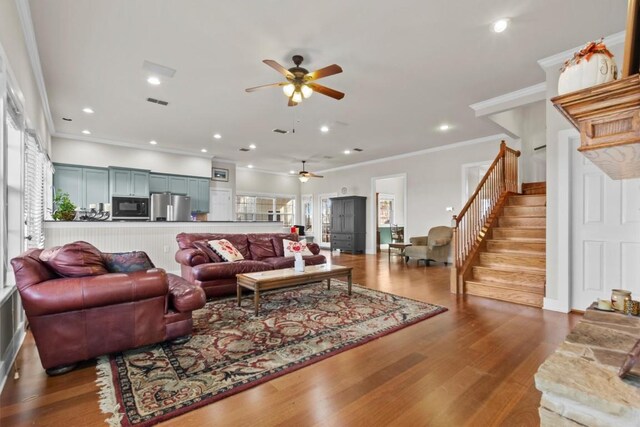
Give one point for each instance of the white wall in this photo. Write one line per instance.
(102, 155)
(13, 44)
(433, 183)
(252, 181)
(559, 214)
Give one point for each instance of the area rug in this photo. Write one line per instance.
(232, 350)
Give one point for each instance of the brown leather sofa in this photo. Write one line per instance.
(261, 251)
(97, 312)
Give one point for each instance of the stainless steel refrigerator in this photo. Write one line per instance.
(170, 207)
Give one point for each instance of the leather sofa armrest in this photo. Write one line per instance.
(80, 293)
(419, 240)
(314, 248)
(191, 257)
(183, 296)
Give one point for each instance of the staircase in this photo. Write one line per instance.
(512, 264)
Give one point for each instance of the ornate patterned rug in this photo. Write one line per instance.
(232, 350)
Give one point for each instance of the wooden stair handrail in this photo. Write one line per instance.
(469, 225)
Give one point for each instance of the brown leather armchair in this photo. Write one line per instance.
(78, 318)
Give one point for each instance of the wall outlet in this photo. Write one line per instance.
(166, 249)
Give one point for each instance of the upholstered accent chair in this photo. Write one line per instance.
(436, 246)
(82, 303)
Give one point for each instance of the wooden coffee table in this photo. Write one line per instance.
(276, 279)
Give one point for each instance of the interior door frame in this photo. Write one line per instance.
(373, 211)
(231, 200)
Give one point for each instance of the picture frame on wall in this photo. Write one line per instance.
(219, 174)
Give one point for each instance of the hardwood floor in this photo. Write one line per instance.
(472, 365)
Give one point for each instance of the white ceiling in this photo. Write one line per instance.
(408, 67)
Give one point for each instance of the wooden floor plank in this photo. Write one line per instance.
(472, 365)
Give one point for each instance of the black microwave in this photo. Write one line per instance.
(132, 208)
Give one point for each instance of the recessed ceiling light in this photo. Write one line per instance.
(86, 132)
(153, 142)
(324, 129)
(252, 146)
(292, 171)
(444, 127)
(153, 81)
(500, 25)
(347, 151)
(204, 150)
(88, 110)
(250, 166)
(217, 136)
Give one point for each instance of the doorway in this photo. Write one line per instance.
(220, 206)
(324, 219)
(389, 210)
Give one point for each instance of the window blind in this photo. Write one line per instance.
(35, 171)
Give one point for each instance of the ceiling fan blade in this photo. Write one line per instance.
(252, 89)
(291, 103)
(326, 91)
(313, 175)
(279, 68)
(323, 72)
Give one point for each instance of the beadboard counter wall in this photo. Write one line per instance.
(157, 239)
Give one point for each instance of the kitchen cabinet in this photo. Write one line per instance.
(85, 185)
(348, 223)
(128, 182)
(203, 195)
(158, 183)
(178, 185)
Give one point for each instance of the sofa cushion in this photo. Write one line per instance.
(185, 241)
(225, 250)
(281, 262)
(127, 262)
(260, 246)
(204, 247)
(277, 239)
(292, 247)
(75, 259)
(227, 270)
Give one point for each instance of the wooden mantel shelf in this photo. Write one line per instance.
(608, 118)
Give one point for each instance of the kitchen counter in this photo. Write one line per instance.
(157, 239)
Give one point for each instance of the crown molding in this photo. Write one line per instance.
(519, 97)
(267, 171)
(154, 148)
(24, 11)
(559, 58)
(446, 147)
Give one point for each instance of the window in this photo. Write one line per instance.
(266, 208)
(12, 212)
(385, 209)
(37, 175)
(307, 213)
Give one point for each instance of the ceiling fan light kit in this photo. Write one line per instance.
(304, 175)
(300, 82)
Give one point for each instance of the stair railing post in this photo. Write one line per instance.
(453, 281)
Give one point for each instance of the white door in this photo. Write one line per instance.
(324, 219)
(220, 205)
(605, 233)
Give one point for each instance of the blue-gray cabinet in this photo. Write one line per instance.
(178, 185)
(128, 182)
(158, 183)
(85, 185)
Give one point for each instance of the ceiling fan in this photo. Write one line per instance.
(300, 82)
(304, 176)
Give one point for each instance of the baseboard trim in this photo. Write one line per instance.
(11, 353)
(555, 305)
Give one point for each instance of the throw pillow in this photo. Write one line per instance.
(75, 259)
(203, 245)
(127, 262)
(291, 247)
(225, 250)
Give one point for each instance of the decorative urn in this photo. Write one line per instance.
(592, 65)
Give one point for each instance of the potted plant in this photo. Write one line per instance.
(65, 210)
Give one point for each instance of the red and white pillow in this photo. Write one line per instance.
(225, 250)
(292, 247)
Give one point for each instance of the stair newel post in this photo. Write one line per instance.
(453, 281)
